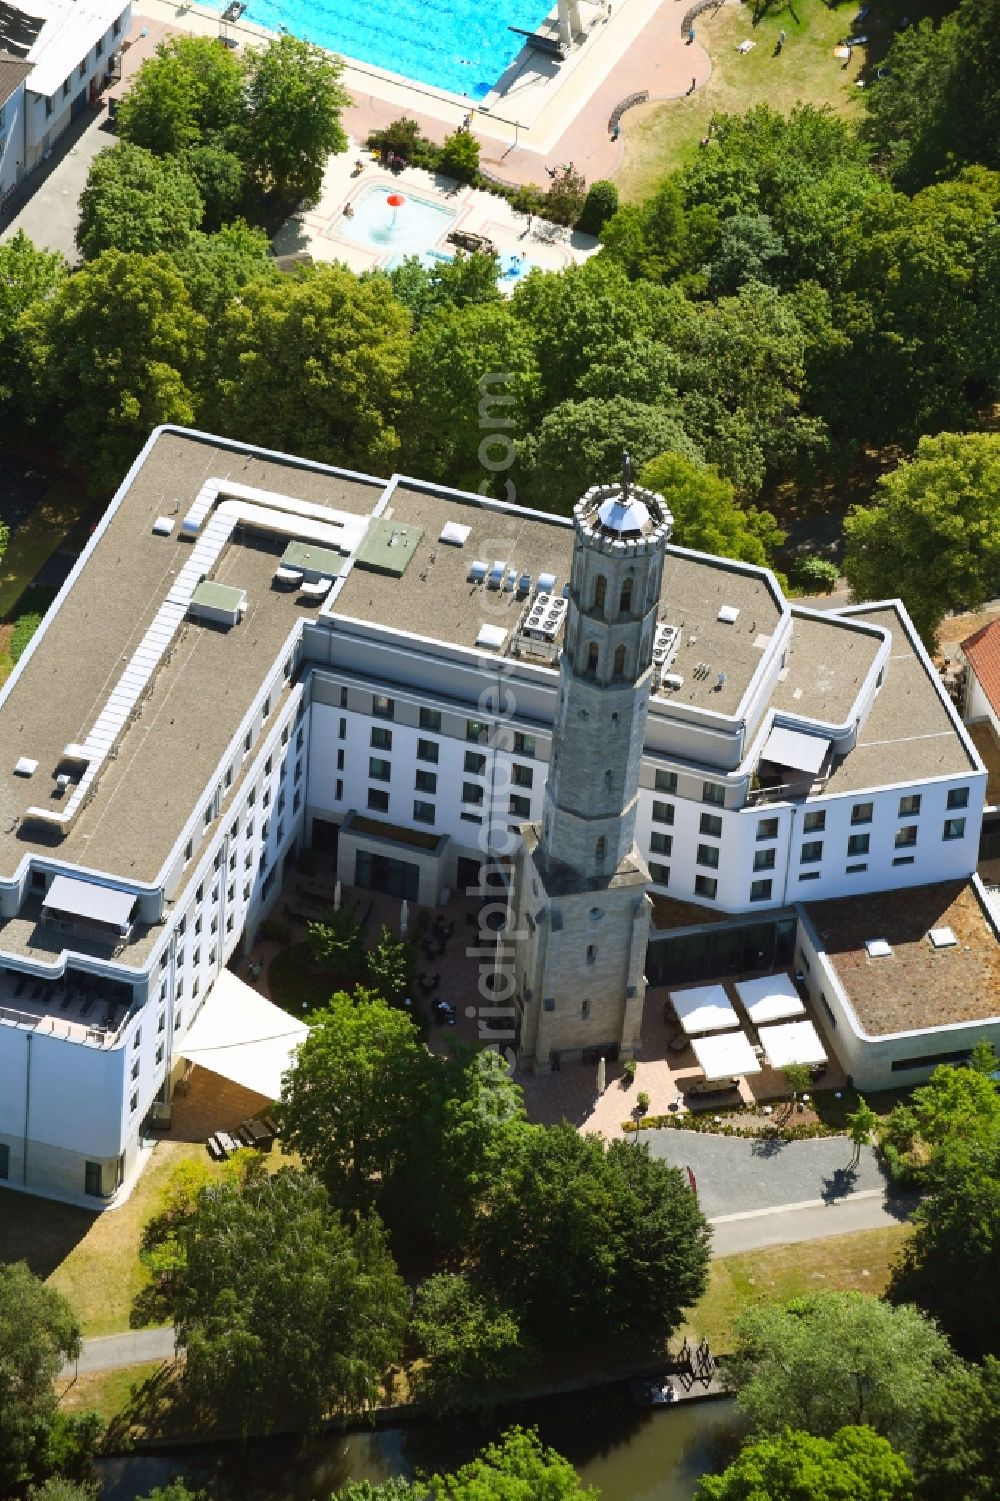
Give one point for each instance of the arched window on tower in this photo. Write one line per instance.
(619, 662)
(625, 605)
(600, 592)
(592, 657)
(601, 850)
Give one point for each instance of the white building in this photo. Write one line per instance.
(54, 55)
(256, 652)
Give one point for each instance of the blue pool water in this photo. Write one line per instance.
(459, 45)
(405, 231)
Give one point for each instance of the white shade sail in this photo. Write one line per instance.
(794, 1042)
(703, 1008)
(725, 1057)
(241, 1035)
(771, 998)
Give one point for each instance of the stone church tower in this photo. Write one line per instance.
(581, 913)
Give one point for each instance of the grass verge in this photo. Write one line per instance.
(860, 1262)
(661, 137)
(60, 509)
(108, 1393)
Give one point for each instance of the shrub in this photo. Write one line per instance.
(628, 1077)
(598, 206)
(459, 156)
(642, 1101)
(815, 573)
(22, 633)
(528, 199)
(402, 136)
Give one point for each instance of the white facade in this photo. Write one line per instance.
(387, 717)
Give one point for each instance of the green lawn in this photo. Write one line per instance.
(859, 1262)
(105, 1392)
(93, 1260)
(660, 137)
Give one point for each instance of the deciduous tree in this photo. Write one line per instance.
(471, 1344)
(189, 93)
(517, 1468)
(933, 534)
(706, 514)
(282, 1310)
(831, 1360)
(854, 1464)
(294, 98)
(137, 202)
(38, 1334)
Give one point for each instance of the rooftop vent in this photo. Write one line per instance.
(544, 618)
(222, 604)
(492, 636)
(546, 583)
(942, 938)
(878, 948)
(670, 682)
(454, 533)
(728, 614)
(497, 574)
(25, 767)
(163, 526)
(478, 572)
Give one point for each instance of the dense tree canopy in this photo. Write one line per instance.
(518, 1467)
(854, 1464)
(588, 1239)
(706, 514)
(135, 201)
(38, 1333)
(113, 353)
(933, 534)
(188, 94)
(470, 1344)
(293, 103)
(281, 1308)
(314, 363)
(956, 1445)
(831, 1360)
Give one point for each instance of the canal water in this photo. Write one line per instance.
(654, 1455)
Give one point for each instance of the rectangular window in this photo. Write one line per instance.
(663, 812)
(524, 745)
(379, 770)
(954, 828)
(4, 1160)
(92, 1179)
(475, 763)
(811, 852)
(814, 823)
(661, 844)
(383, 707)
(475, 730)
(426, 781)
(378, 801)
(472, 793)
(666, 781)
(862, 812)
(116, 26)
(423, 812)
(858, 844)
(763, 860)
(659, 873)
(470, 818)
(705, 886)
(343, 698)
(524, 776)
(708, 854)
(853, 870)
(520, 807)
(767, 828)
(381, 738)
(65, 95)
(909, 807)
(159, 1053)
(133, 1103)
(760, 891)
(430, 719)
(48, 108)
(958, 797)
(428, 750)
(340, 760)
(99, 48)
(809, 875)
(338, 795)
(711, 824)
(903, 860)
(712, 793)
(342, 730)
(907, 837)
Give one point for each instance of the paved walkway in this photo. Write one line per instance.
(110, 1352)
(739, 1176)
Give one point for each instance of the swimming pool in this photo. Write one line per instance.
(459, 45)
(407, 230)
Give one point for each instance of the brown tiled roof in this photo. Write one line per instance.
(13, 72)
(982, 652)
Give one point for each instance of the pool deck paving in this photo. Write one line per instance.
(542, 114)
